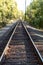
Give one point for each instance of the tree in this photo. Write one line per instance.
(35, 13)
(8, 11)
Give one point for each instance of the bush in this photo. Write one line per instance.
(2, 24)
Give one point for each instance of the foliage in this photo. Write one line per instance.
(8, 11)
(2, 24)
(34, 13)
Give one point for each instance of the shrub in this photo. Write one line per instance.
(2, 24)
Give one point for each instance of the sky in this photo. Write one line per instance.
(21, 4)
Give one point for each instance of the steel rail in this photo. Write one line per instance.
(38, 53)
(32, 42)
(8, 43)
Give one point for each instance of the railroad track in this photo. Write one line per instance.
(37, 38)
(4, 39)
(20, 50)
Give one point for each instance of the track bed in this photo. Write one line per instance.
(20, 50)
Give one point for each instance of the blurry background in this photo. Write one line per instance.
(29, 10)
